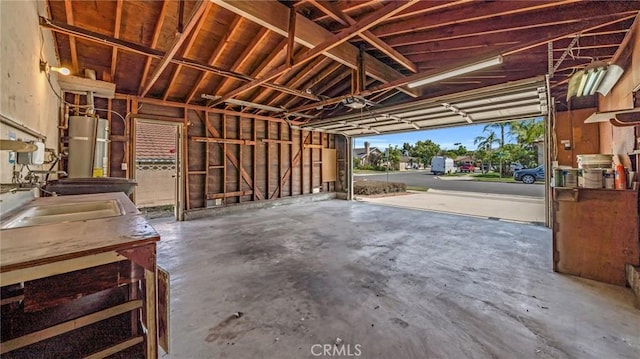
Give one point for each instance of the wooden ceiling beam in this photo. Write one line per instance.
(536, 20)
(187, 48)
(317, 78)
(283, 80)
(105, 40)
(154, 41)
(248, 52)
(68, 11)
(266, 64)
(461, 15)
(347, 6)
(367, 22)
(198, 9)
(302, 77)
(368, 36)
(274, 15)
(533, 39)
(536, 39)
(116, 34)
(215, 54)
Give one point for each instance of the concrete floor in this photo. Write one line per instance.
(389, 282)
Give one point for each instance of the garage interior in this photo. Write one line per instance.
(266, 254)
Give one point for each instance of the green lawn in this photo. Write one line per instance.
(369, 172)
(491, 177)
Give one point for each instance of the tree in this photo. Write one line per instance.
(485, 145)
(394, 157)
(527, 132)
(407, 148)
(501, 126)
(425, 150)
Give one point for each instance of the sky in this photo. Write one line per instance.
(445, 137)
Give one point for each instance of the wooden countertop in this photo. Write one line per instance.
(27, 246)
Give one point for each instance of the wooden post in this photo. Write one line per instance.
(206, 160)
(240, 185)
(280, 132)
(255, 164)
(224, 156)
(268, 171)
(185, 140)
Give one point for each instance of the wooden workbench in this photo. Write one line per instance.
(68, 287)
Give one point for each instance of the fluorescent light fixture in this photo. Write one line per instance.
(456, 72)
(596, 77)
(593, 79)
(254, 105)
(614, 72)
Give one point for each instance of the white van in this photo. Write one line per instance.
(442, 165)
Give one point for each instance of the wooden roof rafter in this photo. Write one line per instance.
(317, 78)
(199, 9)
(274, 15)
(451, 15)
(72, 40)
(154, 42)
(215, 54)
(244, 57)
(364, 24)
(543, 18)
(105, 40)
(116, 34)
(266, 64)
(304, 76)
(368, 36)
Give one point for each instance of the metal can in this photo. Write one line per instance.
(609, 179)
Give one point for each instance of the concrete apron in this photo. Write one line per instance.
(483, 205)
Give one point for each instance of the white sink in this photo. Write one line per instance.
(68, 212)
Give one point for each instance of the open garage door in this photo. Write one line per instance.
(510, 101)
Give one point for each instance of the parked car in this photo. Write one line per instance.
(516, 167)
(467, 167)
(529, 175)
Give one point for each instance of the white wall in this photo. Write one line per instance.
(25, 95)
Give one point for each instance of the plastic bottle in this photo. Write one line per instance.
(621, 178)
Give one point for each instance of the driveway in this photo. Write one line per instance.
(504, 207)
(424, 178)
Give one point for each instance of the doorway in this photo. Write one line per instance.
(157, 167)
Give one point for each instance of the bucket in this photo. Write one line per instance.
(570, 177)
(594, 161)
(590, 178)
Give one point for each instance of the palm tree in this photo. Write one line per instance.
(485, 143)
(527, 132)
(501, 126)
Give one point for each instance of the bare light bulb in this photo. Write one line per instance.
(61, 70)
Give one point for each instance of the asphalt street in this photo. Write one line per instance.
(423, 178)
